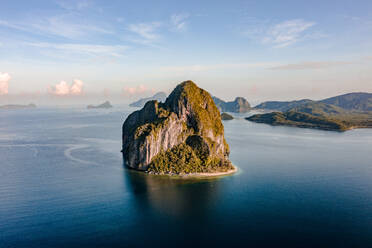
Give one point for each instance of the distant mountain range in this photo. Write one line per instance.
(104, 105)
(353, 101)
(18, 106)
(239, 105)
(281, 106)
(359, 101)
(340, 113)
(318, 109)
(160, 97)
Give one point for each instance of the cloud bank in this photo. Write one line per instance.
(137, 90)
(63, 89)
(4, 83)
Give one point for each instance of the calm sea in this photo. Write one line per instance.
(63, 184)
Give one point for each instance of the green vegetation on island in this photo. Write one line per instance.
(184, 135)
(298, 119)
(359, 101)
(281, 106)
(347, 112)
(185, 159)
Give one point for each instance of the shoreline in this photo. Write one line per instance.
(199, 175)
(302, 126)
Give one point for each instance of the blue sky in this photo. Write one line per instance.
(257, 49)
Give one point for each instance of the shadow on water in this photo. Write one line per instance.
(173, 209)
(196, 210)
(170, 196)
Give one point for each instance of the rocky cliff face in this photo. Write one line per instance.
(240, 105)
(183, 135)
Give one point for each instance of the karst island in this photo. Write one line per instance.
(183, 136)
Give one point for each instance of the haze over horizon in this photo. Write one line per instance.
(85, 51)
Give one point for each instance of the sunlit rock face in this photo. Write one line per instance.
(183, 135)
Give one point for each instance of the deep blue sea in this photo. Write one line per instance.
(63, 184)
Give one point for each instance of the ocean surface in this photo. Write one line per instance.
(63, 184)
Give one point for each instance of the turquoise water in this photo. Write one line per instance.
(63, 184)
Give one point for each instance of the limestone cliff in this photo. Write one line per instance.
(183, 135)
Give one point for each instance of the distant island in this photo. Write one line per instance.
(339, 113)
(183, 136)
(226, 117)
(359, 101)
(160, 97)
(104, 105)
(239, 105)
(281, 106)
(18, 106)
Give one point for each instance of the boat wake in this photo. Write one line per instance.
(68, 154)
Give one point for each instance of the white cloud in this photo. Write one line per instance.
(210, 67)
(63, 89)
(60, 89)
(4, 83)
(312, 65)
(146, 31)
(68, 26)
(77, 87)
(281, 34)
(87, 49)
(74, 5)
(178, 21)
(136, 90)
(13, 26)
(287, 33)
